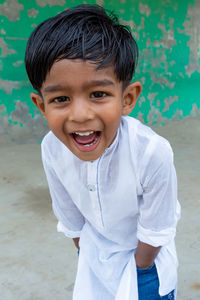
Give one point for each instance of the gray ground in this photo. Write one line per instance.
(37, 263)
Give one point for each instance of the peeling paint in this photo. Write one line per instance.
(32, 13)
(169, 101)
(144, 9)
(18, 63)
(5, 48)
(11, 128)
(141, 100)
(11, 9)
(9, 85)
(34, 128)
(162, 81)
(43, 3)
(155, 116)
(192, 29)
(178, 114)
(168, 36)
(168, 40)
(195, 110)
(100, 2)
(151, 96)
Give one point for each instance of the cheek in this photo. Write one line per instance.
(112, 124)
(54, 123)
(53, 117)
(114, 115)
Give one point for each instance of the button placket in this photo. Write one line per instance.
(92, 188)
(91, 176)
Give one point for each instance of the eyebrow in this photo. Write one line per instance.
(58, 87)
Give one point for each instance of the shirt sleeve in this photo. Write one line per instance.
(159, 209)
(70, 220)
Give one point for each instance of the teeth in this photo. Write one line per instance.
(84, 133)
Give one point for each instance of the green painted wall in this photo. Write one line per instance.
(168, 35)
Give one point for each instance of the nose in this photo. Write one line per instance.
(80, 111)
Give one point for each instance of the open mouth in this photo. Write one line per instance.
(86, 141)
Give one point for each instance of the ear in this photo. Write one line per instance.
(39, 102)
(130, 96)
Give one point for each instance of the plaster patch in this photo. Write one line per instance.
(178, 115)
(160, 79)
(9, 85)
(43, 3)
(143, 79)
(195, 110)
(4, 125)
(149, 61)
(192, 29)
(3, 31)
(144, 9)
(100, 2)
(2, 109)
(4, 48)
(168, 41)
(18, 63)
(169, 101)
(151, 97)
(155, 116)
(11, 9)
(141, 100)
(148, 42)
(172, 63)
(33, 129)
(32, 13)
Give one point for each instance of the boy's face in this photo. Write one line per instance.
(83, 107)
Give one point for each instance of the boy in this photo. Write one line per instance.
(111, 179)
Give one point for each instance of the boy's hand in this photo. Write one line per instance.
(76, 243)
(145, 255)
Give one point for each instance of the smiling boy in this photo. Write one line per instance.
(84, 109)
(111, 178)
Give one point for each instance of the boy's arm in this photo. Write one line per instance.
(70, 219)
(145, 255)
(159, 209)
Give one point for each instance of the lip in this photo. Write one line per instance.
(89, 148)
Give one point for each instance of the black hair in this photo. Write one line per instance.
(87, 32)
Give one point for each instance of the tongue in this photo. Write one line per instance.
(85, 139)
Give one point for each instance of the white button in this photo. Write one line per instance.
(91, 187)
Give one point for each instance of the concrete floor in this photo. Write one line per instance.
(37, 263)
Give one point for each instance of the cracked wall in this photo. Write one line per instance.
(168, 35)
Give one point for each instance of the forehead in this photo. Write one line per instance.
(77, 72)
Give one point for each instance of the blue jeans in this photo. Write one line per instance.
(148, 285)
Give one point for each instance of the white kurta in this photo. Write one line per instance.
(128, 194)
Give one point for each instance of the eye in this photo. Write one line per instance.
(98, 94)
(61, 99)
